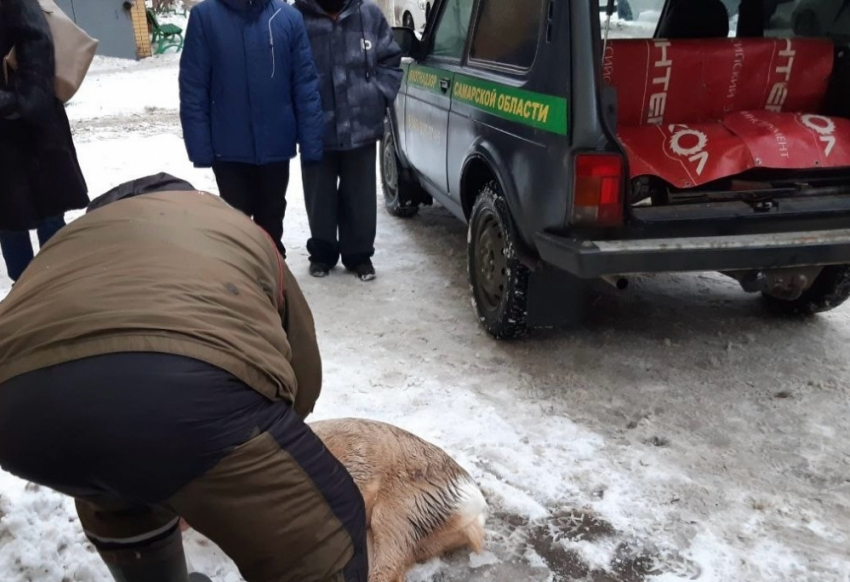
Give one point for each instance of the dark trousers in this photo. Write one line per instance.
(141, 438)
(258, 191)
(17, 245)
(341, 196)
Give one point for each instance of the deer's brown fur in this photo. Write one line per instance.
(420, 503)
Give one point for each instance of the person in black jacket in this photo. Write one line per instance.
(359, 77)
(40, 177)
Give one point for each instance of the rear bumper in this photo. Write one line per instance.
(591, 259)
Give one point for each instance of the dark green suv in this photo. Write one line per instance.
(575, 157)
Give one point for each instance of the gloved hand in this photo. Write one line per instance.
(8, 103)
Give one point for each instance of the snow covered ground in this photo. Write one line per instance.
(680, 434)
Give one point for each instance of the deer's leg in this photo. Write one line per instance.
(391, 551)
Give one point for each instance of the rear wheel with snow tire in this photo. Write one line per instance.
(499, 280)
(401, 197)
(829, 290)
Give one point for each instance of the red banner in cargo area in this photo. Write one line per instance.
(688, 155)
(694, 111)
(689, 81)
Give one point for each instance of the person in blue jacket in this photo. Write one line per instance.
(248, 95)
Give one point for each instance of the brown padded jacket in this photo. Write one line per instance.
(173, 272)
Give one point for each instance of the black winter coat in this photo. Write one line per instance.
(39, 172)
(359, 65)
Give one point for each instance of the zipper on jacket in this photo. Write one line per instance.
(250, 105)
(271, 38)
(365, 49)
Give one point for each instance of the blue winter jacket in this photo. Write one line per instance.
(359, 70)
(248, 84)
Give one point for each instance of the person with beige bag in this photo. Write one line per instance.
(40, 176)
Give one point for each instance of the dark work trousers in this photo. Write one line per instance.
(17, 246)
(142, 438)
(341, 197)
(258, 191)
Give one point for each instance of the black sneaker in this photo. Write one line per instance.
(319, 270)
(365, 271)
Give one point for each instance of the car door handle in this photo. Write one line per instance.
(445, 83)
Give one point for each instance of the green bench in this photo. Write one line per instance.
(164, 36)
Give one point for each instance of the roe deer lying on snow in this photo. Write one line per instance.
(420, 503)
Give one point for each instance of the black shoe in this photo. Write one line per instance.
(365, 271)
(319, 270)
(196, 577)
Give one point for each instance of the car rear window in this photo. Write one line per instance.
(782, 18)
(632, 18)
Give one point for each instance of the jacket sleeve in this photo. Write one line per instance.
(33, 94)
(388, 73)
(308, 102)
(194, 78)
(301, 333)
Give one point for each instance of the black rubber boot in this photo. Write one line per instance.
(159, 561)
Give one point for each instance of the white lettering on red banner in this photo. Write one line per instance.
(781, 139)
(695, 153)
(608, 64)
(658, 99)
(737, 65)
(824, 127)
(779, 90)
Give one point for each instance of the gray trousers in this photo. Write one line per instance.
(341, 197)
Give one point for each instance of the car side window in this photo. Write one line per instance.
(452, 28)
(506, 32)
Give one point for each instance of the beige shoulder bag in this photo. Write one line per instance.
(73, 47)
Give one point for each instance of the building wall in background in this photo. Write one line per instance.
(140, 30)
(109, 22)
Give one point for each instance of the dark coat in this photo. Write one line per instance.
(248, 85)
(40, 176)
(359, 70)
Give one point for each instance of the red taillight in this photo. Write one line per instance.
(598, 190)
